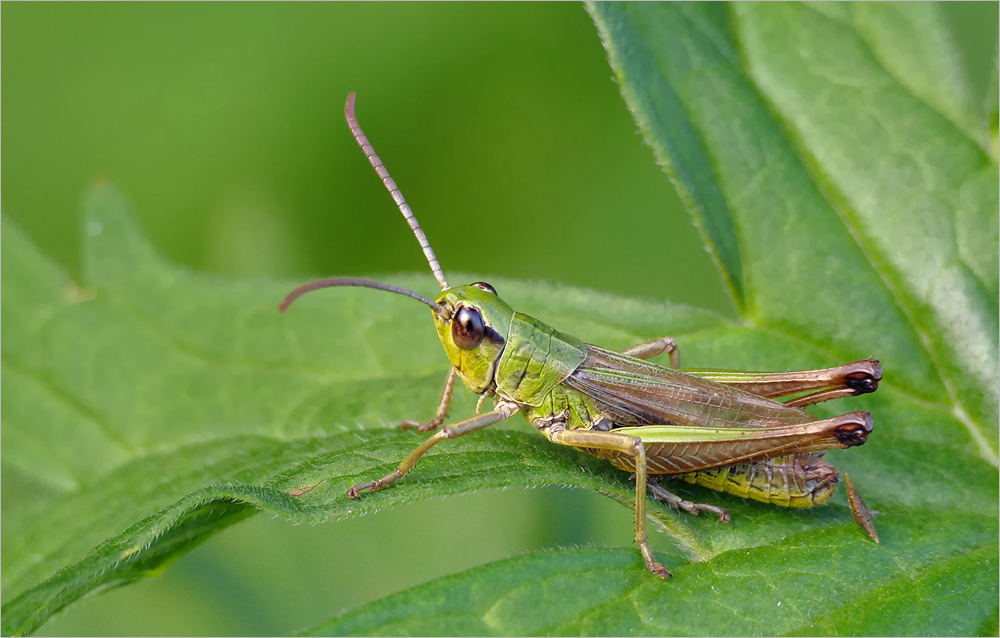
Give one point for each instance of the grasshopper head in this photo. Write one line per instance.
(473, 329)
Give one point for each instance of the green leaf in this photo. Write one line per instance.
(854, 215)
(604, 592)
(150, 407)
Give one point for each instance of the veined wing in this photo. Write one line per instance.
(633, 392)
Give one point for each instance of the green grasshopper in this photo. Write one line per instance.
(720, 429)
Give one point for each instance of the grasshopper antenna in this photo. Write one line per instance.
(390, 184)
(363, 283)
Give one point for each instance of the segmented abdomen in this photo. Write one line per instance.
(797, 480)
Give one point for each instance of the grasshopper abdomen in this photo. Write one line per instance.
(797, 480)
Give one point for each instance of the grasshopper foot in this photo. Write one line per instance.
(659, 570)
(661, 493)
(718, 511)
(355, 491)
(694, 508)
(421, 427)
(373, 486)
(652, 564)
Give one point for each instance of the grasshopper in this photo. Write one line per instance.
(721, 429)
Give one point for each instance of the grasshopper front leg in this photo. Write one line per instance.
(502, 411)
(443, 405)
(624, 444)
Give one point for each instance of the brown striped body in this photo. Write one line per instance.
(781, 465)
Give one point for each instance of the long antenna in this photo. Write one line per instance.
(390, 184)
(356, 281)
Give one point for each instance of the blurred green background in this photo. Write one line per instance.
(223, 124)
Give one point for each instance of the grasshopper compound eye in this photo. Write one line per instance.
(467, 328)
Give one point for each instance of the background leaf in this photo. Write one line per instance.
(192, 401)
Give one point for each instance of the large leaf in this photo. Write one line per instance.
(148, 407)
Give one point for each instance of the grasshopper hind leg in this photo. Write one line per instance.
(862, 515)
(661, 493)
(630, 446)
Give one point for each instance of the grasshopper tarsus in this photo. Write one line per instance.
(378, 484)
(503, 410)
(373, 486)
(355, 491)
(661, 493)
(653, 565)
(659, 570)
(696, 508)
(421, 427)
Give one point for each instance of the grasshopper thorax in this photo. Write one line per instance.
(473, 331)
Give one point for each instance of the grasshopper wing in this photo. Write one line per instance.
(711, 424)
(633, 392)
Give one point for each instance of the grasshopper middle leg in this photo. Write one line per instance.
(622, 443)
(661, 493)
(650, 349)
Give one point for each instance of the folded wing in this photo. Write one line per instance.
(633, 392)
